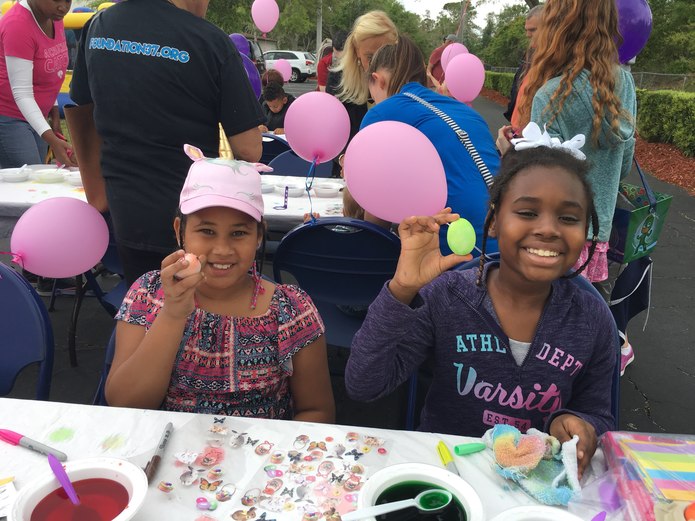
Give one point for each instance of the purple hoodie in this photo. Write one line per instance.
(476, 382)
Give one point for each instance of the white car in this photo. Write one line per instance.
(303, 63)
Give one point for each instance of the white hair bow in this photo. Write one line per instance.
(533, 138)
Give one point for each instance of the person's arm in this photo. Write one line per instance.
(248, 145)
(87, 143)
(240, 112)
(310, 384)
(20, 75)
(54, 119)
(397, 331)
(434, 59)
(143, 361)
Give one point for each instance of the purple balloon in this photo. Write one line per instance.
(253, 74)
(635, 25)
(241, 43)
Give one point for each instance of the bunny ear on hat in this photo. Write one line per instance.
(193, 152)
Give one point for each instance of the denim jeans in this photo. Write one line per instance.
(20, 144)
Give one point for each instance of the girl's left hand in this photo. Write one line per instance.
(565, 426)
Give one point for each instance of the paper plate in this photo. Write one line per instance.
(536, 513)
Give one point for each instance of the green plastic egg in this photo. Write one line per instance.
(461, 237)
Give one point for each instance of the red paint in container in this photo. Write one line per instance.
(101, 500)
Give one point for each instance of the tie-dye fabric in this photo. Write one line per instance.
(235, 366)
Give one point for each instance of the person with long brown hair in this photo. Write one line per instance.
(575, 85)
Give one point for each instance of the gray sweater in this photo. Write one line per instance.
(611, 160)
(476, 382)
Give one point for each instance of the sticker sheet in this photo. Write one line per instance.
(223, 467)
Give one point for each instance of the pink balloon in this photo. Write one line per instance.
(465, 76)
(60, 237)
(393, 171)
(284, 68)
(265, 14)
(317, 126)
(451, 50)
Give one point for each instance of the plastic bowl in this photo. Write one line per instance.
(74, 178)
(15, 175)
(49, 175)
(267, 187)
(420, 472)
(118, 470)
(327, 189)
(293, 189)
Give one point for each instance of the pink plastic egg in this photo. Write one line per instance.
(193, 266)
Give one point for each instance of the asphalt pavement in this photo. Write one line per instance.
(656, 391)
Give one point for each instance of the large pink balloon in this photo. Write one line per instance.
(265, 14)
(317, 126)
(393, 171)
(284, 68)
(465, 76)
(451, 50)
(60, 237)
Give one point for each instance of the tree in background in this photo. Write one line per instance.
(671, 47)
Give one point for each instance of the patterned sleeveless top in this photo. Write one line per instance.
(234, 366)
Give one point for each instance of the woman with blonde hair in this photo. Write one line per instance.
(369, 32)
(575, 85)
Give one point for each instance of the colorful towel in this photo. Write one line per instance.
(536, 461)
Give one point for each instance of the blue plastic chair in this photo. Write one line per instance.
(289, 163)
(340, 261)
(100, 396)
(273, 146)
(584, 284)
(26, 334)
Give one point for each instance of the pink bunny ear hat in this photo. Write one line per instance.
(222, 182)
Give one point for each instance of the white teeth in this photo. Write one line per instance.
(543, 253)
(222, 266)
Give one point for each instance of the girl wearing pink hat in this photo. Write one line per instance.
(206, 333)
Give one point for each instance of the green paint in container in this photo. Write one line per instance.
(454, 511)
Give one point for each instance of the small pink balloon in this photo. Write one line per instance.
(465, 76)
(60, 237)
(265, 14)
(284, 68)
(451, 50)
(393, 171)
(317, 126)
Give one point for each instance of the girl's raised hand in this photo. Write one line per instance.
(565, 426)
(421, 261)
(179, 293)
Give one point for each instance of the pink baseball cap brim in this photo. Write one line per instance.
(193, 204)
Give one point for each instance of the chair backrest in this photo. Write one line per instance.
(338, 260)
(26, 334)
(100, 396)
(273, 146)
(584, 284)
(289, 163)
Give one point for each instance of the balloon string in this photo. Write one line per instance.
(311, 174)
(16, 257)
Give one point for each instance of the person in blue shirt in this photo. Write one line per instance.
(399, 69)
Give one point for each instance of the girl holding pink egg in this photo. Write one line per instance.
(206, 333)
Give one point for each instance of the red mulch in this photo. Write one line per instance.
(663, 161)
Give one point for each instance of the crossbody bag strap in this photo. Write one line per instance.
(462, 135)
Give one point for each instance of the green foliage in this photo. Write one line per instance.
(667, 117)
(671, 46)
(507, 45)
(499, 81)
